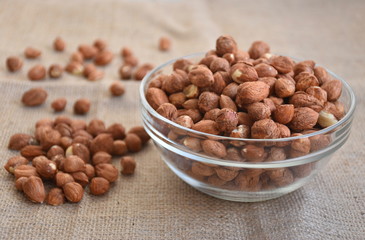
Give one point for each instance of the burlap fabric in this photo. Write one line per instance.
(154, 203)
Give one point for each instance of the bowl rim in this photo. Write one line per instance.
(329, 129)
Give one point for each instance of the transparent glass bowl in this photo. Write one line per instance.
(233, 178)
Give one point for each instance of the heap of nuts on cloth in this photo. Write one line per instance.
(246, 94)
(66, 155)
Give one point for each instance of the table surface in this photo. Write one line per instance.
(154, 203)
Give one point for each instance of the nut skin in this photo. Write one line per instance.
(142, 71)
(164, 44)
(37, 73)
(302, 99)
(59, 104)
(128, 165)
(201, 76)
(181, 64)
(125, 72)
(55, 197)
(230, 90)
(82, 106)
(202, 169)
(225, 44)
(14, 162)
(81, 178)
(249, 180)
(75, 68)
(20, 140)
(227, 102)
(99, 186)
(55, 71)
(304, 118)
(242, 72)
(73, 192)
(304, 66)
(19, 183)
(34, 97)
(133, 142)
(117, 89)
(253, 153)
(250, 92)
(79, 150)
(88, 51)
(258, 111)
(32, 53)
(96, 127)
(219, 64)
(175, 82)
(89, 171)
(14, 64)
(214, 148)
(284, 113)
(177, 99)
(107, 171)
(34, 189)
(59, 44)
(322, 75)
(258, 49)
(156, 97)
(31, 151)
(47, 169)
(305, 80)
(318, 93)
(281, 177)
(302, 144)
(226, 174)
(119, 147)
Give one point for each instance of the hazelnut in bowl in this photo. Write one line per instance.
(245, 126)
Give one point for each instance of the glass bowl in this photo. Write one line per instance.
(233, 177)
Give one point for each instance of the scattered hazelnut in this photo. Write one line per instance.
(36, 73)
(82, 106)
(32, 53)
(14, 64)
(99, 186)
(117, 89)
(34, 189)
(55, 197)
(59, 44)
(128, 165)
(164, 44)
(73, 191)
(55, 71)
(59, 104)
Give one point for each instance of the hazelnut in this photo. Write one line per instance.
(34, 189)
(14, 64)
(305, 80)
(333, 89)
(59, 104)
(181, 64)
(249, 180)
(156, 97)
(88, 69)
(242, 72)
(55, 197)
(321, 74)
(201, 76)
(32, 53)
(14, 162)
(304, 66)
(133, 142)
(191, 91)
(193, 113)
(225, 44)
(73, 191)
(79, 150)
(244, 119)
(207, 126)
(216, 181)
(25, 171)
(284, 88)
(74, 163)
(177, 99)
(142, 71)
(258, 111)
(117, 89)
(34, 97)
(167, 110)
(302, 144)
(318, 93)
(304, 118)
(131, 61)
(241, 131)
(31, 151)
(214, 148)
(116, 130)
(95, 127)
(20, 140)
(45, 168)
(100, 44)
(82, 106)
(95, 75)
(128, 165)
(230, 90)
(59, 44)
(264, 129)
(107, 171)
(141, 133)
(265, 70)
(226, 174)
(284, 113)
(281, 177)
(212, 114)
(219, 64)
(202, 169)
(126, 52)
(19, 183)
(253, 153)
(208, 101)
(326, 119)
(77, 57)
(55, 71)
(101, 157)
(276, 154)
(258, 49)
(88, 51)
(89, 171)
(103, 58)
(62, 178)
(81, 178)
(125, 72)
(302, 99)
(48, 137)
(103, 142)
(99, 186)
(192, 143)
(119, 147)
(282, 63)
(250, 92)
(227, 120)
(164, 44)
(227, 102)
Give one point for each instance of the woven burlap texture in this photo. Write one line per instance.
(154, 203)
